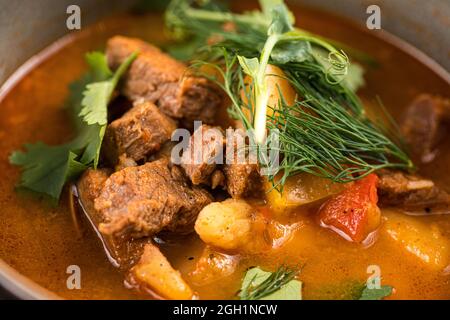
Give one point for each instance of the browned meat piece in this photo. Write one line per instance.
(424, 125)
(243, 180)
(124, 162)
(217, 179)
(204, 153)
(411, 193)
(123, 253)
(139, 132)
(156, 77)
(117, 107)
(164, 152)
(89, 186)
(144, 200)
(241, 170)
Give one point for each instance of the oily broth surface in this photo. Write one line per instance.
(41, 241)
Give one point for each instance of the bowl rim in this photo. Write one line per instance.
(23, 287)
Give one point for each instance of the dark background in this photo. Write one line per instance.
(4, 295)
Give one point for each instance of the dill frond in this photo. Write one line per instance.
(326, 131)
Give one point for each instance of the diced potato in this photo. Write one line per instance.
(213, 266)
(226, 224)
(156, 273)
(234, 225)
(299, 190)
(421, 240)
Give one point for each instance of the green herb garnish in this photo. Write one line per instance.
(278, 285)
(326, 131)
(376, 294)
(47, 168)
(351, 290)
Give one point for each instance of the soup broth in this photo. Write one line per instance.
(41, 241)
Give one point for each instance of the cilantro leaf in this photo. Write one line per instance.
(45, 169)
(98, 65)
(293, 51)
(376, 294)
(249, 66)
(281, 20)
(97, 95)
(278, 285)
(268, 5)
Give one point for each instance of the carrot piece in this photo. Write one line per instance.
(353, 213)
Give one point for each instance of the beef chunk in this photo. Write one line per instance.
(411, 192)
(217, 179)
(156, 77)
(164, 152)
(124, 162)
(89, 186)
(117, 107)
(243, 180)
(241, 169)
(122, 252)
(202, 162)
(424, 125)
(139, 132)
(144, 200)
(204, 153)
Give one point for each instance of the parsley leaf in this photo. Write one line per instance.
(294, 51)
(97, 95)
(278, 285)
(45, 169)
(376, 294)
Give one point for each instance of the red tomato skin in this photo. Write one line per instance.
(353, 213)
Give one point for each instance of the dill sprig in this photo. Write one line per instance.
(326, 131)
(256, 290)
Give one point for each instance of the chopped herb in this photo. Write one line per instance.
(47, 168)
(326, 131)
(351, 290)
(376, 294)
(278, 285)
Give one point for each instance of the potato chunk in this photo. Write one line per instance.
(213, 266)
(154, 272)
(225, 224)
(423, 241)
(234, 225)
(299, 190)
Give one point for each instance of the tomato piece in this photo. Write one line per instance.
(353, 213)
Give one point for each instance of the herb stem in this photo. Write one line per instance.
(262, 95)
